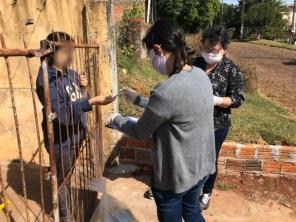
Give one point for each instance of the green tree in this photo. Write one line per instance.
(169, 8)
(266, 18)
(193, 15)
(208, 10)
(189, 16)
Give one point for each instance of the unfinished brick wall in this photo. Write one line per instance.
(234, 157)
(136, 32)
(120, 5)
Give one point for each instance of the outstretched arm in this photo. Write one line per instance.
(157, 112)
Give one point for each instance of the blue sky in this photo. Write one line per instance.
(235, 1)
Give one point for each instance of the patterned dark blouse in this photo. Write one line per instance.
(227, 81)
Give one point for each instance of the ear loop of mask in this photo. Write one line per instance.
(158, 62)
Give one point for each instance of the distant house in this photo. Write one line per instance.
(289, 16)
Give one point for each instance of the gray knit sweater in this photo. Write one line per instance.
(179, 115)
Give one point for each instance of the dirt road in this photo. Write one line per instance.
(276, 70)
(226, 206)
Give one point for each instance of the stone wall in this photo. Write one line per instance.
(234, 157)
(91, 19)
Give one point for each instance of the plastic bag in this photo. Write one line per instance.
(110, 209)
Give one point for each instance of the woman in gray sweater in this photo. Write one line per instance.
(179, 116)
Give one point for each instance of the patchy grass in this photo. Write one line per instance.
(261, 121)
(257, 121)
(138, 75)
(225, 186)
(274, 44)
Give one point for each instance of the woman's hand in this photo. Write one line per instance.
(101, 100)
(83, 80)
(129, 94)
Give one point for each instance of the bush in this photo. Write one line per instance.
(136, 12)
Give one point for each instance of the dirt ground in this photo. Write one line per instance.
(276, 70)
(236, 198)
(243, 199)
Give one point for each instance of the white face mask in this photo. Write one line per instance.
(212, 58)
(158, 62)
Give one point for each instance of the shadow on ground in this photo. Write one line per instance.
(33, 189)
(114, 170)
(290, 62)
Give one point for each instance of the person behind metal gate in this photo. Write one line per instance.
(179, 115)
(227, 83)
(70, 106)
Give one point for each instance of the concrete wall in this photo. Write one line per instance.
(57, 15)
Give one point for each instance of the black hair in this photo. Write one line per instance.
(57, 37)
(216, 34)
(171, 37)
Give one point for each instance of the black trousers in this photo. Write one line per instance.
(65, 159)
(220, 136)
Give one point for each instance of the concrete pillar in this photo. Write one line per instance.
(100, 28)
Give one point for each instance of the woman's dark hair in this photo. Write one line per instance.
(58, 37)
(171, 37)
(216, 34)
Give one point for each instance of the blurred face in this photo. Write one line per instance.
(63, 57)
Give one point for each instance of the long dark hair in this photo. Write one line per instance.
(57, 37)
(171, 37)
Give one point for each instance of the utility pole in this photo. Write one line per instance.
(222, 12)
(242, 20)
(293, 24)
(148, 11)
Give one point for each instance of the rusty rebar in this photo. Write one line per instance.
(60, 132)
(17, 128)
(50, 133)
(84, 165)
(38, 136)
(7, 52)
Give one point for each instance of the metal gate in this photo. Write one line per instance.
(88, 158)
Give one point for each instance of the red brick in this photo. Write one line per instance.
(271, 166)
(127, 153)
(287, 157)
(131, 142)
(247, 152)
(288, 167)
(229, 146)
(287, 154)
(289, 149)
(122, 142)
(265, 153)
(221, 163)
(143, 155)
(149, 143)
(227, 153)
(228, 150)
